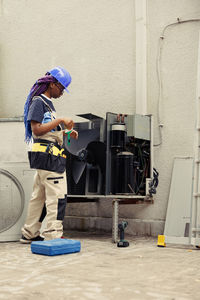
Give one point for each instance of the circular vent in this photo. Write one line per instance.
(12, 200)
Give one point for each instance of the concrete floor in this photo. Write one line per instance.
(101, 271)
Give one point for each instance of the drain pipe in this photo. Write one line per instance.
(141, 56)
(141, 65)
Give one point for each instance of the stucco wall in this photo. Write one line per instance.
(95, 41)
(13, 147)
(178, 76)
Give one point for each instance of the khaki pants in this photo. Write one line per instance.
(49, 197)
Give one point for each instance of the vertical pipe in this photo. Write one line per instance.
(141, 57)
(115, 220)
(151, 148)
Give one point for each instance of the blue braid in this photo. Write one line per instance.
(27, 124)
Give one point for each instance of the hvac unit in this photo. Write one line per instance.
(16, 182)
(111, 157)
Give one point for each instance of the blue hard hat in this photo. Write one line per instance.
(62, 76)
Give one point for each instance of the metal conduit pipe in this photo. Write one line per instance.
(14, 119)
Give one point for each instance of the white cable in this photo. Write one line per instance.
(158, 70)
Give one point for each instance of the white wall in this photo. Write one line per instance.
(95, 41)
(178, 74)
(13, 147)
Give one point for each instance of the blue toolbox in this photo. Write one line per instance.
(55, 247)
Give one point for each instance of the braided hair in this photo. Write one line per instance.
(37, 89)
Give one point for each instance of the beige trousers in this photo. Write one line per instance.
(48, 198)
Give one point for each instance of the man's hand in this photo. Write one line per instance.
(69, 124)
(74, 134)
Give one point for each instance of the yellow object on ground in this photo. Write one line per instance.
(161, 241)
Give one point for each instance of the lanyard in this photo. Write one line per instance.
(68, 136)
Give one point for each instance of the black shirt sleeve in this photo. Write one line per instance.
(36, 111)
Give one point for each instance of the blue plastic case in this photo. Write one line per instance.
(55, 247)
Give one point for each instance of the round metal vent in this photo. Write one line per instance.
(12, 200)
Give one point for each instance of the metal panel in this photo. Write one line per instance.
(111, 118)
(139, 126)
(178, 216)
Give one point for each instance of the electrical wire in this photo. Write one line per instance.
(158, 70)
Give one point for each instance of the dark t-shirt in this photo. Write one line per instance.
(40, 112)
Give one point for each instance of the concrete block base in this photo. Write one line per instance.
(135, 227)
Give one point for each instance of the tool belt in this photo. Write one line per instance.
(47, 155)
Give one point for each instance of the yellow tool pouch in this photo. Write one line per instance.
(48, 156)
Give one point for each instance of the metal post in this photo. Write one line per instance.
(115, 220)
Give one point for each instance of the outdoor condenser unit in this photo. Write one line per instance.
(16, 183)
(112, 156)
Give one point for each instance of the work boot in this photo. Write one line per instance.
(24, 240)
